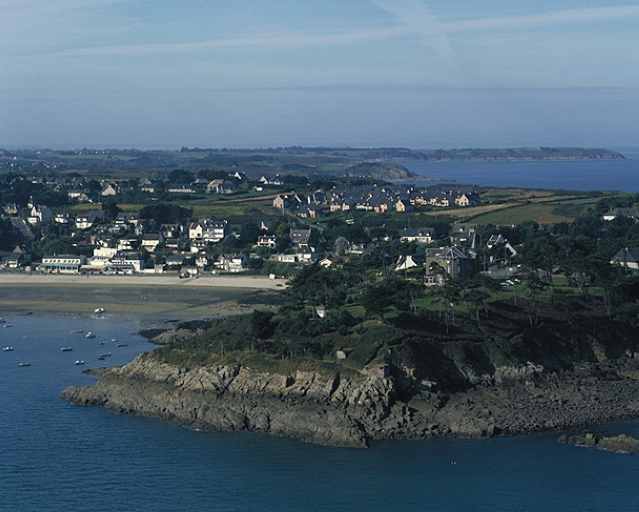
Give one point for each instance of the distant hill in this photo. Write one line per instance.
(378, 171)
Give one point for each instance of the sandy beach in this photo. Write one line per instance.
(242, 282)
(150, 297)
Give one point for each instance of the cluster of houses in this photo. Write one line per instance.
(374, 198)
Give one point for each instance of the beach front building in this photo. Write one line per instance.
(63, 264)
(125, 263)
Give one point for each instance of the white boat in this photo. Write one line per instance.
(98, 311)
(89, 335)
(8, 349)
(80, 362)
(23, 365)
(66, 349)
(121, 345)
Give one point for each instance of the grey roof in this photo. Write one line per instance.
(627, 254)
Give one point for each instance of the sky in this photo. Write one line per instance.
(262, 73)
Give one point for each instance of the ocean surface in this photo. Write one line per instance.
(585, 175)
(58, 457)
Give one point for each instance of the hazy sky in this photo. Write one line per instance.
(438, 73)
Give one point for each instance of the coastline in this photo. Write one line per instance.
(354, 409)
(242, 282)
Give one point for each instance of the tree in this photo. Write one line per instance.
(166, 213)
(111, 210)
(377, 298)
(181, 177)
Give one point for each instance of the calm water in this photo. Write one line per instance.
(57, 457)
(586, 175)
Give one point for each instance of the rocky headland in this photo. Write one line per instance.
(353, 408)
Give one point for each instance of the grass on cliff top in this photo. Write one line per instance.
(253, 360)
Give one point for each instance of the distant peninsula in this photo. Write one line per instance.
(375, 163)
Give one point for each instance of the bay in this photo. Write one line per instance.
(58, 457)
(577, 175)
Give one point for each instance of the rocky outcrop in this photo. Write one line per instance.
(622, 444)
(351, 409)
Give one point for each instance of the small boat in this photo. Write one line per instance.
(98, 311)
(24, 365)
(8, 349)
(89, 335)
(80, 362)
(6, 326)
(114, 340)
(66, 349)
(122, 345)
(78, 332)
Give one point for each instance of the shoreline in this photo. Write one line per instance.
(354, 410)
(239, 282)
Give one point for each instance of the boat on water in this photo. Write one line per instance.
(23, 365)
(66, 349)
(99, 311)
(90, 335)
(80, 362)
(8, 349)
(80, 331)
(6, 326)
(122, 345)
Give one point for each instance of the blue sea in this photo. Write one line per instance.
(58, 457)
(585, 175)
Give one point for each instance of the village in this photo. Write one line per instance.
(77, 225)
(164, 238)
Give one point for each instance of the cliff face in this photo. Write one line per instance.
(351, 410)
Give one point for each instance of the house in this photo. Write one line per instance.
(171, 230)
(326, 263)
(275, 181)
(627, 258)
(62, 218)
(10, 209)
(402, 206)
(78, 196)
(463, 235)
(210, 231)
(419, 235)
(110, 190)
(233, 264)
(450, 262)
(151, 241)
(181, 190)
(282, 202)
(215, 187)
(63, 264)
(300, 238)
(126, 262)
(630, 213)
(302, 258)
(127, 244)
(465, 200)
(269, 241)
(87, 221)
(39, 215)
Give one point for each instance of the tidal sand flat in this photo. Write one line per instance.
(128, 298)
